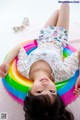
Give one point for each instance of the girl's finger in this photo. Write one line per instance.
(1, 72)
(3, 75)
(76, 86)
(77, 91)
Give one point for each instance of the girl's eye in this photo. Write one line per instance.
(52, 91)
(38, 91)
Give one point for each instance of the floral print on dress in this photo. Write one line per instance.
(51, 42)
(54, 33)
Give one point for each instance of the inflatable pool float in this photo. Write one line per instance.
(18, 86)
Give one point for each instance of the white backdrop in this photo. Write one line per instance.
(12, 13)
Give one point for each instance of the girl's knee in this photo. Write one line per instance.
(65, 5)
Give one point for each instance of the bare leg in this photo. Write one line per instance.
(63, 19)
(52, 21)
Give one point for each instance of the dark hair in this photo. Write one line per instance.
(40, 108)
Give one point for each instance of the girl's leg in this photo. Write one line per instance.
(63, 19)
(52, 21)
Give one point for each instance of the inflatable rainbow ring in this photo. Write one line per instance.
(18, 86)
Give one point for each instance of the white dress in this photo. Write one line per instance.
(51, 42)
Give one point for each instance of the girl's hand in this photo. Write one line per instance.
(4, 69)
(77, 87)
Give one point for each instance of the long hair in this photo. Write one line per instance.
(40, 108)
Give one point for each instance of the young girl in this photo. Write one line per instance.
(45, 65)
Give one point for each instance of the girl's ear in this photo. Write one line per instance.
(52, 77)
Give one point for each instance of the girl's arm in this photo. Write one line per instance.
(68, 67)
(5, 65)
(77, 84)
(12, 54)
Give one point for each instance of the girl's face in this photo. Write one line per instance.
(43, 87)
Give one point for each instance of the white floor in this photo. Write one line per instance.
(12, 14)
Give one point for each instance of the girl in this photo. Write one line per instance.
(45, 65)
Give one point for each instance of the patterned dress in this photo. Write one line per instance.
(51, 42)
